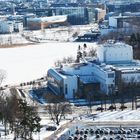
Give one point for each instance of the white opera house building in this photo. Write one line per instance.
(114, 62)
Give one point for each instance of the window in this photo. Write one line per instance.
(73, 92)
(110, 75)
(66, 89)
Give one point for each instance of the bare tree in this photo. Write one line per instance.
(3, 105)
(112, 97)
(58, 110)
(90, 99)
(2, 75)
(132, 87)
(131, 90)
(91, 52)
(65, 60)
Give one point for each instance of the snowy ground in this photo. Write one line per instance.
(37, 136)
(61, 34)
(31, 62)
(123, 118)
(14, 38)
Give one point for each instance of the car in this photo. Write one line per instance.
(122, 107)
(112, 107)
(99, 109)
(51, 128)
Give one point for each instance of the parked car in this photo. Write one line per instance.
(51, 128)
(99, 109)
(123, 107)
(112, 107)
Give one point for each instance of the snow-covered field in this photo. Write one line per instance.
(127, 115)
(31, 62)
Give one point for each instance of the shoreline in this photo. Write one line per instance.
(16, 45)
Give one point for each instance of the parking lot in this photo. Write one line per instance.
(105, 133)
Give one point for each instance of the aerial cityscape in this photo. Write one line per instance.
(69, 70)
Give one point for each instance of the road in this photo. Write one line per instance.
(69, 124)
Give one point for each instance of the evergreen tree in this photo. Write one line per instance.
(133, 39)
(27, 121)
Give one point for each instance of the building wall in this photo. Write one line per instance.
(92, 73)
(131, 77)
(78, 69)
(6, 27)
(55, 82)
(76, 15)
(123, 7)
(70, 86)
(62, 85)
(35, 23)
(104, 77)
(18, 26)
(108, 76)
(118, 54)
(113, 22)
(115, 53)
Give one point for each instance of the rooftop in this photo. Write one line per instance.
(111, 43)
(60, 18)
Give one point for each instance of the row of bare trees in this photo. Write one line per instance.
(81, 53)
(127, 93)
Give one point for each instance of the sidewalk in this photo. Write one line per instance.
(62, 128)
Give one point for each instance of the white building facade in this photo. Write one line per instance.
(7, 26)
(115, 53)
(111, 58)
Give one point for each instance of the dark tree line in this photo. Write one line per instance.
(127, 93)
(135, 39)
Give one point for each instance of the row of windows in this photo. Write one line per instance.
(126, 54)
(132, 78)
(55, 84)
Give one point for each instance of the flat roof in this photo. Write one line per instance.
(133, 66)
(128, 67)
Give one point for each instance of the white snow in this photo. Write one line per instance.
(127, 115)
(31, 62)
(119, 116)
(14, 38)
